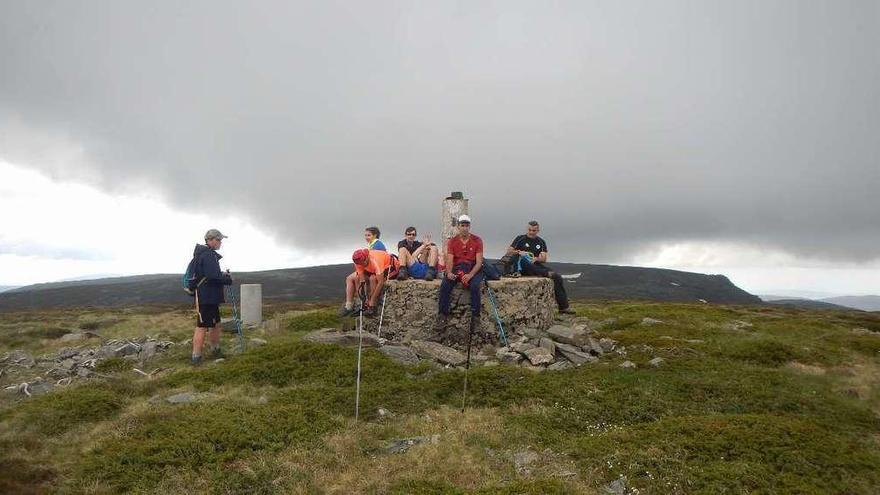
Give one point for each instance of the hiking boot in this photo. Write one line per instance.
(343, 311)
(567, 311)
(432, 273)
(196, 361)
(512, 275)
(441, 322)
(402, 274)
(475, 321)
(369, 311)
(217, 354)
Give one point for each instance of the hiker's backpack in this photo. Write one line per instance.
(191, 280)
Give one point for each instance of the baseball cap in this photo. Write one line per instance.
(464, 219)
(360, 255)
(214, 234)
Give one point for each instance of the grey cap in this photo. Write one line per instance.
(214, 234)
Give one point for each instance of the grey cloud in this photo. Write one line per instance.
(617, 125)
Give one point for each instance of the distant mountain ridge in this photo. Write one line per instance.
(4, 288)
(865, 303)
(325, 283)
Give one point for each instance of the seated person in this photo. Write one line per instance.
(373, 268)
(527, 255)
(417, 259)
(371, 236)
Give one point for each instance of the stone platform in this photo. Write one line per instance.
(411, 310)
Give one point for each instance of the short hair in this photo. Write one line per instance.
(374, 230)
(410, 229)
(533, 223)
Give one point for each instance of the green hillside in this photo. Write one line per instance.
(747, 399)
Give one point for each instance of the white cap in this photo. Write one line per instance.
(464, 218)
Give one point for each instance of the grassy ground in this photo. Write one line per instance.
(749, 400)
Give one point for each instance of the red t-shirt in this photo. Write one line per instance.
(464, 252)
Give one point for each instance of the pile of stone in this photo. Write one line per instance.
(71, 363)
(560, 346)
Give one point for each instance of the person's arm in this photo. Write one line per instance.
(511, 250)
(541, 258)
(211, 271)
(449, 274)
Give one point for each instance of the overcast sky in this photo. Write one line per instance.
(723, 137)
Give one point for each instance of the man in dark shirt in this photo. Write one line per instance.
(529, 252)
(417, 259)
(464, 263)
(209, 295)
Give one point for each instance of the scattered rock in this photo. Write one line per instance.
(263, 400)
(491, 363)
(607, 344)
(523, 460)
(566, 335)
(438, 352)
(72, 337)
(560, 365)
(627, 365)
(126, 349)
(400, 354)
(593, 347)
(574, 354)
(21, 358)
(186, 398)
(548, 344)
(616, 487)
(657, 362)
(650, 321)
(400, 446)
(521, 347)
(737, 325)
(507, 356)
(346, 339)
(383, 413)
(257, 342)
(148, 351)
(532, 333)
(539, 355)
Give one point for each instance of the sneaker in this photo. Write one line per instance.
(343, 311)
(432, 273)
(402, 274)
(196, 361)
(441, 322)
(567, 311)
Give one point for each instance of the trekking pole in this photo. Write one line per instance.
(236, 317)
(357, 390)
(501, 332)
(467, 367)
(382, 313)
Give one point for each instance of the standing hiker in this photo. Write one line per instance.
(373, 269)
(528, 253)
(371, 236)
(417, 259)
(209, 294)
(464, 263)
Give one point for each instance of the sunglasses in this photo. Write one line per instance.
(410, 233)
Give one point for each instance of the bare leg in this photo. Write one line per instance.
(198, 341)
(406, 258)
(214, 337)
(350, 287)
(432, 256)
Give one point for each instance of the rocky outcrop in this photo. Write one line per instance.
(411, 310)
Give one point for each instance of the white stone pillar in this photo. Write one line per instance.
(251, 304)
(453, 206)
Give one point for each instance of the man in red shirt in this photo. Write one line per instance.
(464, 263)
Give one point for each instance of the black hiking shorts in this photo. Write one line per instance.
(209, 315)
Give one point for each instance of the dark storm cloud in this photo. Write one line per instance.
(617, 125)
